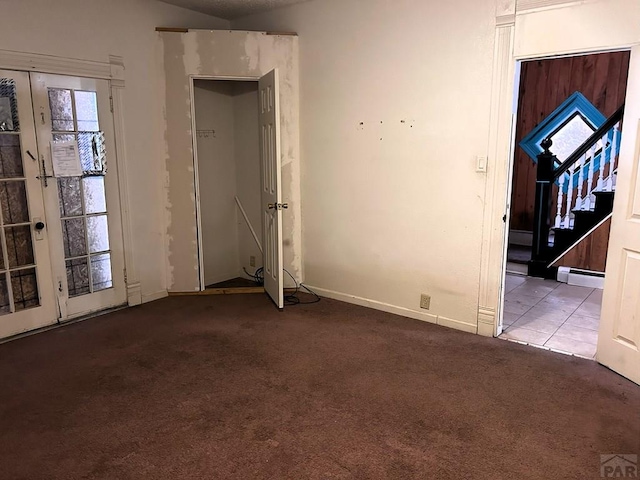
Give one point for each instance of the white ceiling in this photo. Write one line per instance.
(231, 9)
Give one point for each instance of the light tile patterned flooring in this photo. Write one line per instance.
(553, 315)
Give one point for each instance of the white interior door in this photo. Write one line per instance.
(271, 196)
(83, 208)
(619, 336)
(27, 299)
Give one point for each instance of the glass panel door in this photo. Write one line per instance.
(88, 239)
(27, 299)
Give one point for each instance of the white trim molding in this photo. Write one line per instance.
(36, 62)
(497, 181)
(527, 6)
(134, 294)
(152, 297)
(486, 321)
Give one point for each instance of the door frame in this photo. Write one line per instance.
(504, 98)
(196, 175)
(114, 72)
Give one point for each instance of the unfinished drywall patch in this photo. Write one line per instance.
(220, 54)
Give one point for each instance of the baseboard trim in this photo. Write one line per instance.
(486, 321)
(396, 310)
(134, 294)
(152, 297)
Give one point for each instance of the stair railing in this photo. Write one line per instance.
(590, 168)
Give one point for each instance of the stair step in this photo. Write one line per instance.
(604, 201)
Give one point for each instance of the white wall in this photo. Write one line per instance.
(214, 107)
(247, 157)
(393, 209)
(93, 30)
(395, 100)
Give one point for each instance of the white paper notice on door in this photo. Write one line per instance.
(65, 159)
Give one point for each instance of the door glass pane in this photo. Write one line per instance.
(5, 305)
(16, 236)
(73, 237)
(94, 195)
(98, 233)
(70, 196)
(61, 110)
(63, 137)
(81, 198)
(77, 276)
(101, 271)
(2, 264)
(8, 106)
(91, 148)
(19, 246)
(87, 111)
(25, 288)
(10, 156)
(13, 201)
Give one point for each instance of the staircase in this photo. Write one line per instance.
(574, 197)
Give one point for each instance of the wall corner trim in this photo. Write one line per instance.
(506, 20)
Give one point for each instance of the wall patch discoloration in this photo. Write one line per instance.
(221, 54)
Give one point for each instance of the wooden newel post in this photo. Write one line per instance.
(542, 211)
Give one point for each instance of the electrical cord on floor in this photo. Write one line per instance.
(257, 277)
(292, 298)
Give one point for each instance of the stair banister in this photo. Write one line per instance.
(584, 148)
(547, 174)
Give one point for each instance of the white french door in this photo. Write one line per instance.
(271, 190)
(619, 335)
(27, 299)
(82, 204)
(61, 247)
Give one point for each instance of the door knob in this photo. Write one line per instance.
(39, 225)
(278, 206)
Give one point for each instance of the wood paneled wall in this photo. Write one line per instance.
(544, 85)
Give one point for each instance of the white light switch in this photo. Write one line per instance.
(481, 164)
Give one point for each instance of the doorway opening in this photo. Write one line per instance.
(227, 152)
(567, 138)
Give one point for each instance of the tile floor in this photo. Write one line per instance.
(552, 315)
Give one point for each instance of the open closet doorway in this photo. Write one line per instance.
(227, 146)
(237, 162)
(567, 142)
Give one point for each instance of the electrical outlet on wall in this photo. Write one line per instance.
(252, 261)
(425, 301)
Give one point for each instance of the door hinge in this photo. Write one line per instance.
(111, 103)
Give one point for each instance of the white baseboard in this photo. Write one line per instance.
(152, 297)
(134, 294)
(396, 310)
(486, 321)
